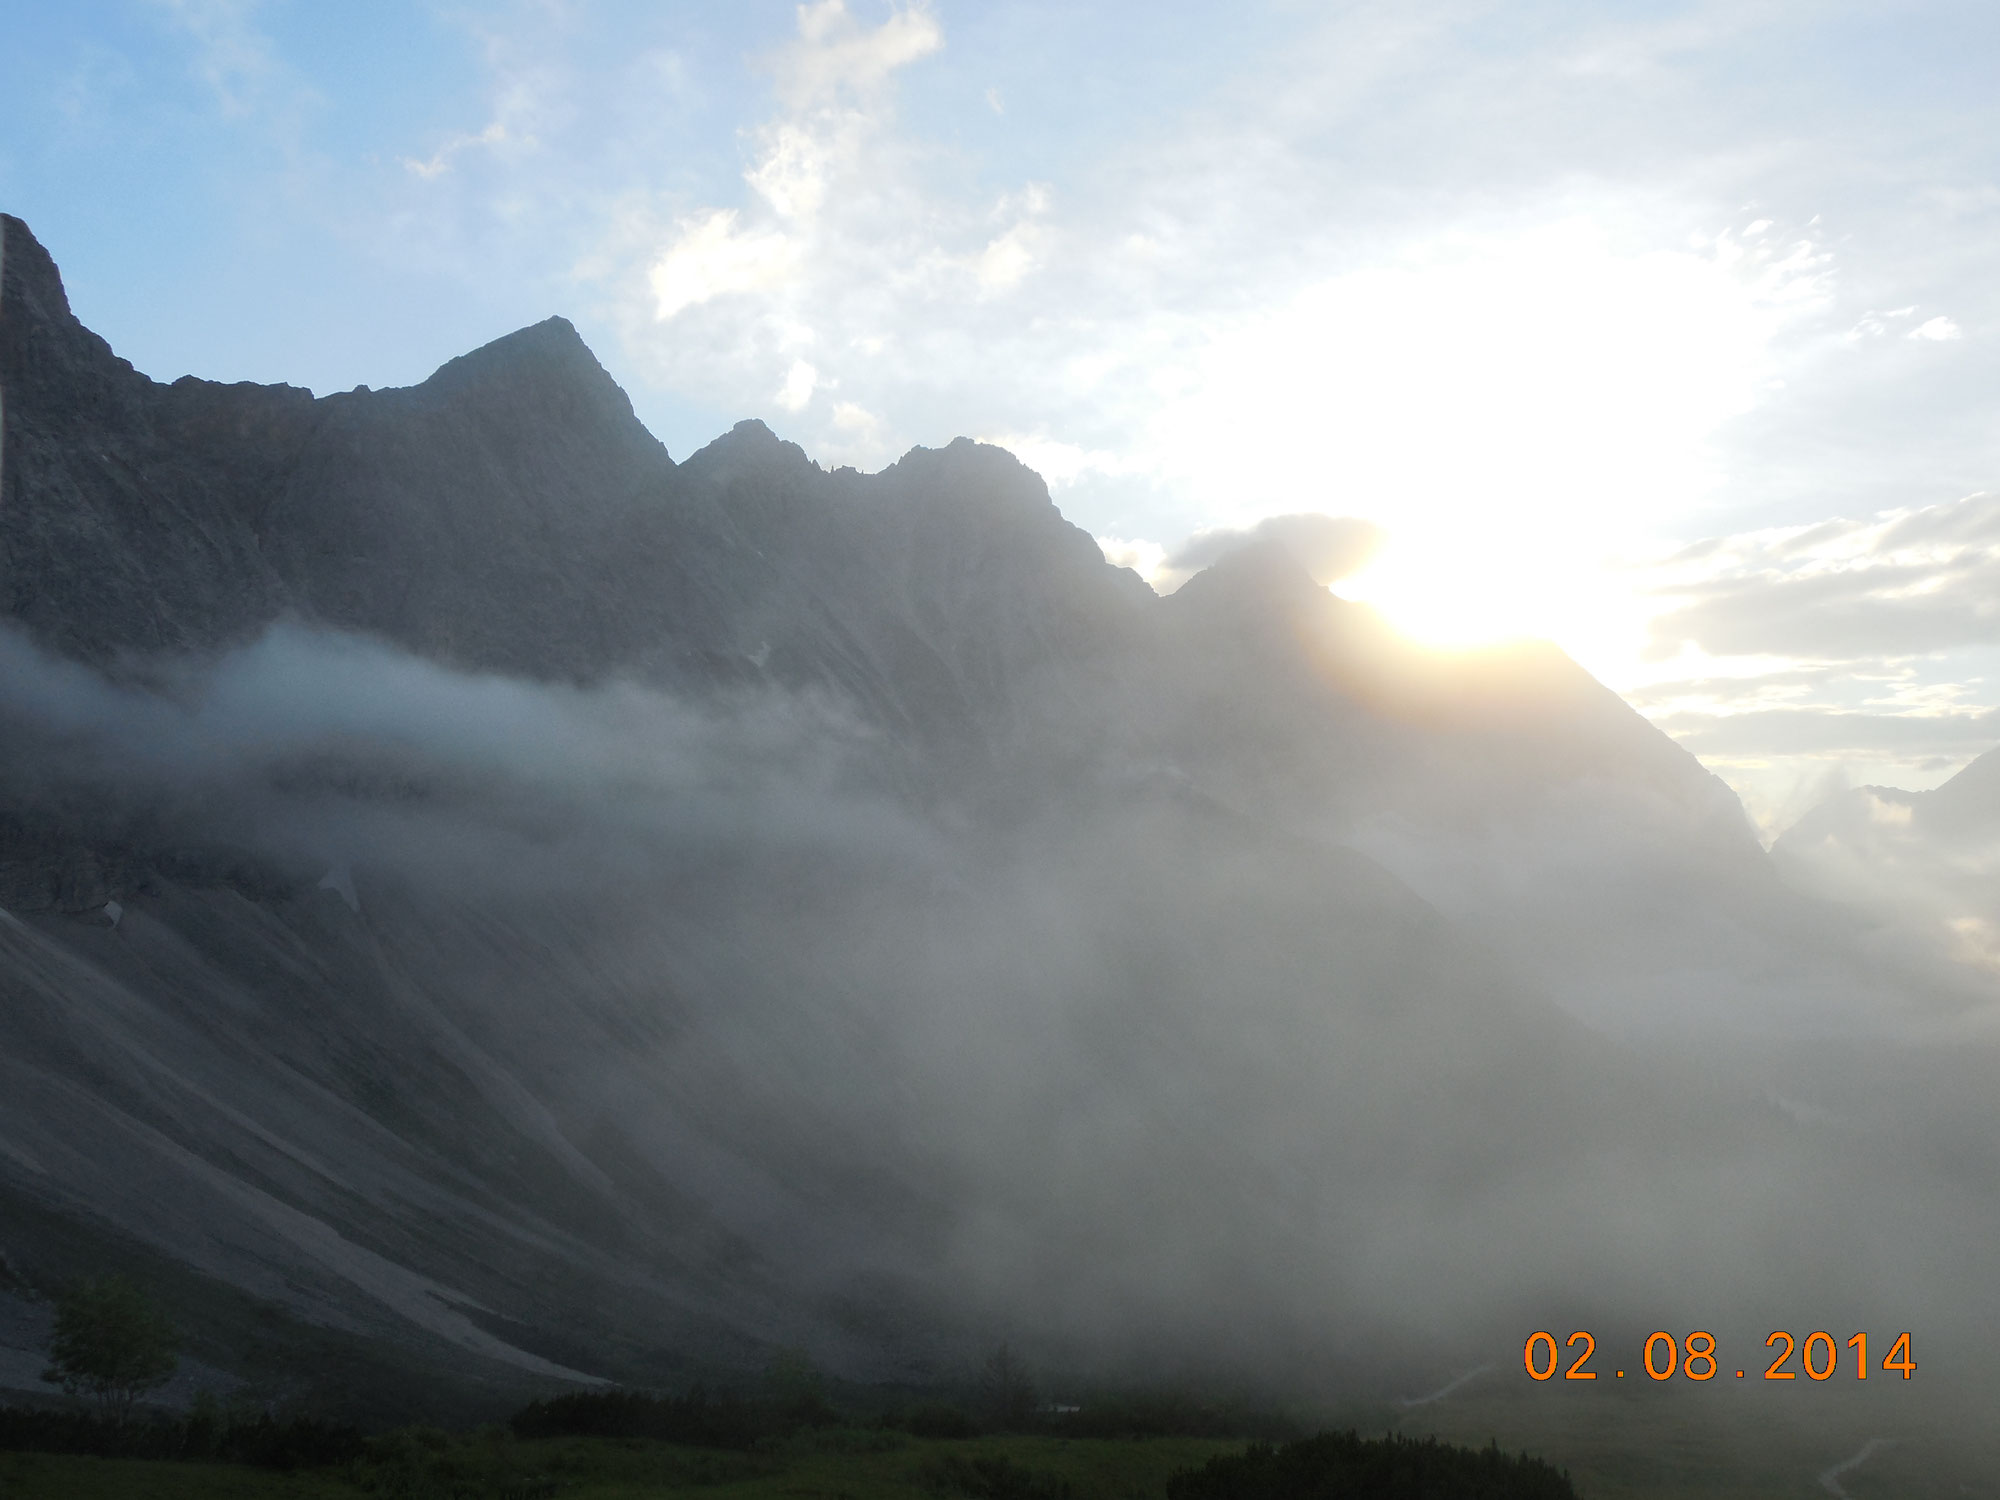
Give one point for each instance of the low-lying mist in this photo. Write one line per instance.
(1128, 1076)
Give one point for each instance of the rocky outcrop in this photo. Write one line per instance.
(138, 517)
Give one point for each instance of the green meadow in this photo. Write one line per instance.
(491, 1464)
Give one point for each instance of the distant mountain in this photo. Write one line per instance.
(1966, 806)
(488, 896)
(1916, 870)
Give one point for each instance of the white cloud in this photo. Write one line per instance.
(1058, 463)
(857, 420)
(1859, 646)
(836, 56)
(439, 161)
(1007, 259)
(792, 174)
(1147, 559)
(1875, 324)
(1904, 583)
(236, 59)
(798, 386)
(829, 236)
(712, 258)
(1479, 372)
(1330, 548)
(1937, 330)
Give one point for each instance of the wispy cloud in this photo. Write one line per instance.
(1906, 583)
(1330, 548)
(1850, 649)
(835, 246)
(233, 54)
(439, 161)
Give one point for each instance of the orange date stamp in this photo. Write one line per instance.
(1694, 1357)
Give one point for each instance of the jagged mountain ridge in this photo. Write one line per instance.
(509, 514)
(425, 1042)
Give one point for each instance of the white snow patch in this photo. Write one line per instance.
(1830, 1480)
(340, 880)
(1445, 1390)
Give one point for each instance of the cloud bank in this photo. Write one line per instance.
(1847, 649)
(1328, 547)
(1150, 1085)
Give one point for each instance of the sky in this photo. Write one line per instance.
(1665, 331)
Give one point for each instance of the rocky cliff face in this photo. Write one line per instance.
(506, 897)
(509, 514)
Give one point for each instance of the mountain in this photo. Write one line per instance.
(1965, 807)
(483, 898)
(1914, 870)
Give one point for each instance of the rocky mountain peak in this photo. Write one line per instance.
(1260, 583)
(30, 285)
(536, 380)
(543, 353)
(41, 342)
(751, 451)
(970, 474)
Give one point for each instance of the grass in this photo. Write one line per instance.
(1719, 1444)
(1659, 1445)
(425, 1464)
(25, 1475)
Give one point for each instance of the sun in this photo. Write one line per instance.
(1486, 592)
(1511, 407)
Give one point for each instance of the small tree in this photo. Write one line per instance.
(1005, 1389)
(111, 1344)
(797, 1389)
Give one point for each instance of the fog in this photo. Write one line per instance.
(1341, 1069)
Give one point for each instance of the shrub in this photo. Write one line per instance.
(1005, 1390)
(110, 1343)
(696, 1418)
(940, 1422)
(797, 1390)
(1344, 1466)
(1154, 1414)
(202, 1436)
(992, 1479)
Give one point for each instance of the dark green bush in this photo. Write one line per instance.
(203, 1437)
(991, 1479)
(696, 1418)
(1155, 1414)
(940, 1422)
(110, 1343)
(1344, 1466)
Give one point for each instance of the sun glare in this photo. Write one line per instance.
(1460, 597)
(1511, 409)
(1546, 376)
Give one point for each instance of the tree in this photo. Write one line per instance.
(111, 1344)
(1005, 1389)
(798, 1389)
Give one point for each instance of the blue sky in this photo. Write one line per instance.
(1666, 330)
